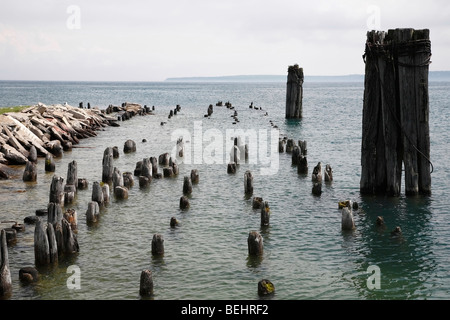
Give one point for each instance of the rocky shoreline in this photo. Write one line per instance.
(43, 130)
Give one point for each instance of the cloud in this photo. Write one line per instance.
(159, 39)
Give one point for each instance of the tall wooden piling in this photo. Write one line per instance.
(395, 113)
(5, 273)
(294, 92)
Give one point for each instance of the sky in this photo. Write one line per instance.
(153, 40)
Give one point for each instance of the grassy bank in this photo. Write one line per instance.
(12, 109)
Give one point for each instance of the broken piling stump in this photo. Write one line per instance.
(157, 245)
(255, 243)
(146, 283)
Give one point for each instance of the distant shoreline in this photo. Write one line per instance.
(433, 76)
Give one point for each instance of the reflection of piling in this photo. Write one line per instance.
(395, 113)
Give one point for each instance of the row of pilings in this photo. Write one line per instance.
(48, 131)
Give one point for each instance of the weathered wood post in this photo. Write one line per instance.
(265, 214)
(128, 180)
(255, 243)
(108, 167)
(187, 185)
(294, 92)
(56, 190)
(184, 203)
(72, 174)
(248, 182)
(146, 283)
(194, 176)
(265, 288)
(328, 173)
(157, 245)
(49, 163)
(30, 172)
(395, 113)
(347, 222)
(5, 273)
(92, 212)
(97, 193)
(129, 146)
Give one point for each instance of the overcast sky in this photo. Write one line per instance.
(153, 40)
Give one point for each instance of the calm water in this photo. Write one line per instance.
(306, 255)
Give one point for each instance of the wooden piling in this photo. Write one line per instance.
(5, 273)
(146, 283)
(129, 146)
(194, 176)
(157, 245)
(255, 243)
(92, 212)
(72, 174)
(97, 193)
(108, 167)
(187, 185)
(184, 203)
(30, 172)
(49, 163)
(265, 288)
(57, 190)
(265, 214)
(395, 113)
(347, 222)
(294, 92)
(248, 182)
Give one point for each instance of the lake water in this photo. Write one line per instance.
(306, 254)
